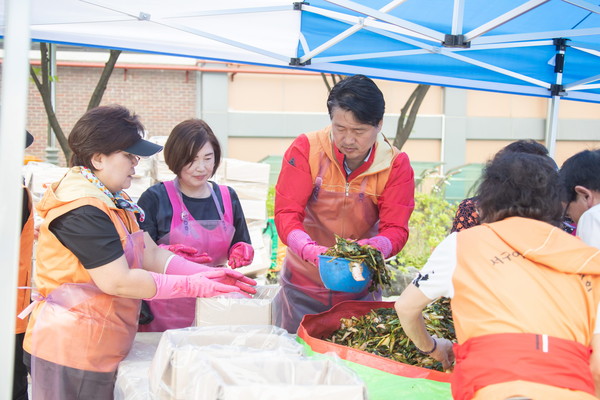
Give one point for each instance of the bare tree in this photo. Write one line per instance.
(408, 113)
(42, 83)
(335, 78)
(411, 108)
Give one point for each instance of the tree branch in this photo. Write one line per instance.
(44, 89)
(412, 105)
(104, 78)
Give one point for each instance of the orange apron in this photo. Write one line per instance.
(78, 326)
(486, 360)
(25, 256)
(350, 215)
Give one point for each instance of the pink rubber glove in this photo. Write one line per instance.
(180, 266)
(240, 254)
(304, 246)
(381, 243)
(187, 252)
(235, 278)
(197, 285)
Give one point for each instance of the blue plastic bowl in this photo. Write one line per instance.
(337, 274)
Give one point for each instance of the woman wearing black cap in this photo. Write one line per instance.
(94, 264)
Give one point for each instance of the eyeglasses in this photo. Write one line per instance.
(132, 157)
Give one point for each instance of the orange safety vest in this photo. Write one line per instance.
(25, 255)
(56, 265)
(523, 277)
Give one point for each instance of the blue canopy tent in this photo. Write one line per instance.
(547, 48)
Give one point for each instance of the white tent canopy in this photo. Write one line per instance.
(548, 48)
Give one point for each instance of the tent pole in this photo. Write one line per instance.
(13, 114)
(552, 125)
(556, 90)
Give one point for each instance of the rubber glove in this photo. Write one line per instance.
(197, 285)
(187, 252)
(240, 254)
(235, 278)
(443, 352)
(304, 246)
(178, 265)
(381, 243)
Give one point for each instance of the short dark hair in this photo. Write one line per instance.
(581, 169)
(520, 185)
(528, 146)
(184, 142)
(360, 95)
(103, 130)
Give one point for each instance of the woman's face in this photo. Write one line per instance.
(115, 170)
(195, 174)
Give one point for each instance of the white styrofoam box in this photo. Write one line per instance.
(40, 175)
(160, 140)
(146, 167)
(245, 171)
(180, 369)
(236, 309)
(262, 249)
(248, 190)
(139, 184)
(286, 378)
(249, 374)
(254, 209)
(132, 375)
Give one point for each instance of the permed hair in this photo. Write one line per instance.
(520, 185)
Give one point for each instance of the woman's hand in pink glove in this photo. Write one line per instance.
(240, 254)
(234, 278)
(187, 252)
(197, 285)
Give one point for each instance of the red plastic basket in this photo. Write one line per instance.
(316, 326)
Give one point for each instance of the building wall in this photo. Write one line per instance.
(161, 98)
(258, 114)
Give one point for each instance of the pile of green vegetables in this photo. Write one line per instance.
(379, 332)
(369, 255)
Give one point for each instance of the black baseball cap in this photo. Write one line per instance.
(143, 148)
(28, 139)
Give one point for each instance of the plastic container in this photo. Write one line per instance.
(314, 328)
(344, 275)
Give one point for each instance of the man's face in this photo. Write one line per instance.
(353, 138)
(577, 207)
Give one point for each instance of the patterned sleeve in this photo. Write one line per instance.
(466, 215)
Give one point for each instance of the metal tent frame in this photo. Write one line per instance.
(546, 48)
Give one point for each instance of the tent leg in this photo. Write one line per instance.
(552, 125)
(13, 113)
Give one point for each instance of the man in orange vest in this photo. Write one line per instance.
(345, 180)
(23, 295)
(524, 292)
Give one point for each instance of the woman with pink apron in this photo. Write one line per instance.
(193, 217)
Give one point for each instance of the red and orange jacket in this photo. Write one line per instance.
(390, 185)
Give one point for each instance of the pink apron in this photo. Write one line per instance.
(210, 236)
(350, 215)
(77, 326)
